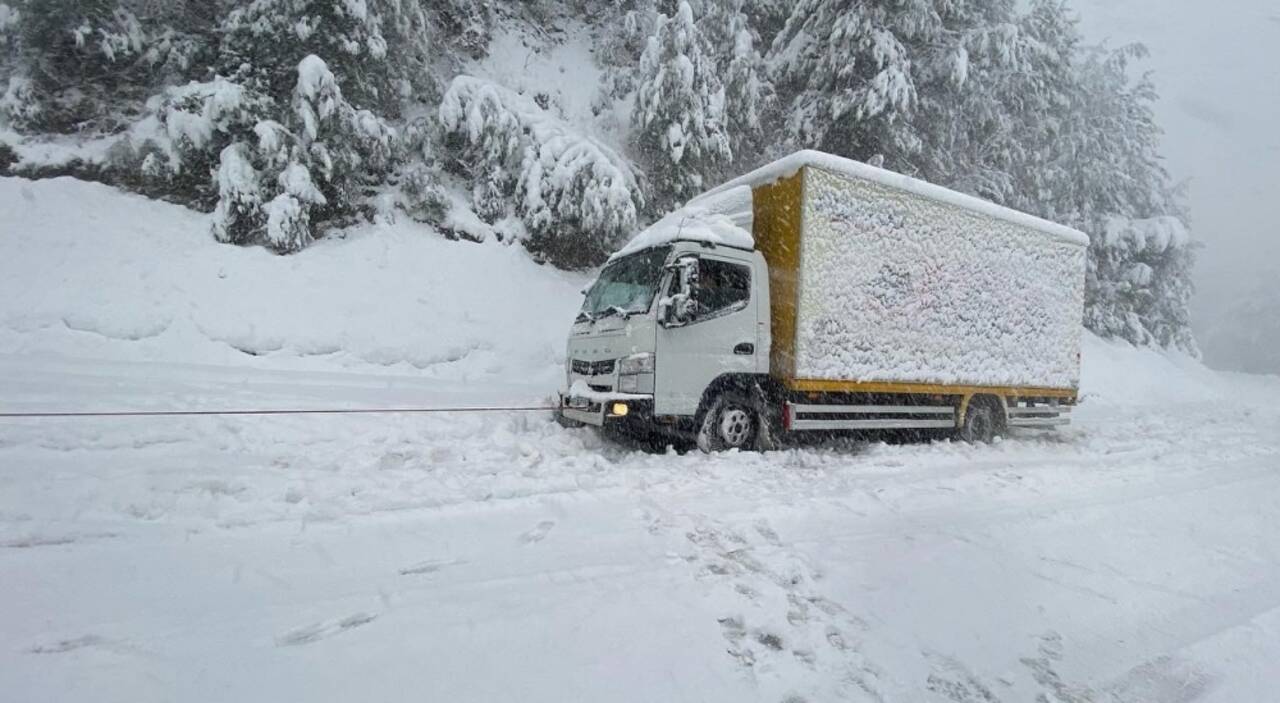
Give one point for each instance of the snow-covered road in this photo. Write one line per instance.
(498, 557)
(1132, 557)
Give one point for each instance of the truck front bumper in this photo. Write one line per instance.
(601, 409)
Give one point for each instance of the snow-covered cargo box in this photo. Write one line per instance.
(881, 281)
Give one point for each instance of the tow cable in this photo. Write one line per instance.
(333, 411)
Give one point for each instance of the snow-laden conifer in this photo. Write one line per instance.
(679, 124)
(749, 95)
(845, 72)
(577, 198)
(310, 162)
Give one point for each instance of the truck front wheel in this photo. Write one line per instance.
(730, 423)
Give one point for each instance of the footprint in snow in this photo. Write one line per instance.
(538, 532)
(767, 532)
(321, 630)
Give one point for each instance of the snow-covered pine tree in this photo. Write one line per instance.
(10, 33)
(466, 25)
(767, 18)
(1041, 100)
(487, 133)
(264, 40)
(962, 62)
(679, 125)
(576, 198)
(198, 122)
(80, 64)
(1117, 172)
(844, 76)
(628, 26)
(1141, 279)
(749, 96)
(306, 168)
(322, 138)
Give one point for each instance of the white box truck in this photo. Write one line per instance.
(819, 294)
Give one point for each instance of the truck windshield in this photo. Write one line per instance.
(626, 286)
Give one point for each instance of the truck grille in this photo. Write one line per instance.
(592, 368)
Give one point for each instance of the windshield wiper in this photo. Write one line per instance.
(614, 310)
(584, 316)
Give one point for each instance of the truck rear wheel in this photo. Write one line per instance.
(730, 423)
(981, 422)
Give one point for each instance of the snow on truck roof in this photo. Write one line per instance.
(789, 165)
(724, 218)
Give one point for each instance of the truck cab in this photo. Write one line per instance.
(658, 328)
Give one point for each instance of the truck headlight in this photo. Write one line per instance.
(629, 384)
(636, 364)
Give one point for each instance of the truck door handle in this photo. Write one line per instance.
(746, 349)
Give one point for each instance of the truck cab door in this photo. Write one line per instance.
(721, 335)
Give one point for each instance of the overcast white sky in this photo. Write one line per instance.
(1217, 67)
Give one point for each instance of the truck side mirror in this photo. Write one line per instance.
(678, 308)
(676, 311)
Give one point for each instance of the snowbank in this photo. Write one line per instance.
(1117, 373)
(93, 272)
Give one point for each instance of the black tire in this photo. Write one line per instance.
(981, 422)
(567, 423)
(731, 422)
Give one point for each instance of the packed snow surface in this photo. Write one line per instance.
(895, 287)
(791, 164)
(464, 557)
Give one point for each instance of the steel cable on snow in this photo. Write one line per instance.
(322, 411)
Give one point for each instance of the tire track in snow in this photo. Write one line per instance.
(322, 630)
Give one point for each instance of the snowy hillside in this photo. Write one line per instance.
(565, 126)
(92, 272)
(480, 557)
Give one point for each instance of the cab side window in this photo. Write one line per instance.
(722, 288)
